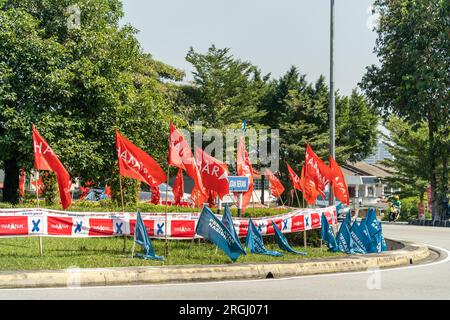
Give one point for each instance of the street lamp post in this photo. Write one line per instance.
(332, 108)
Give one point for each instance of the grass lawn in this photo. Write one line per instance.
(62, 253)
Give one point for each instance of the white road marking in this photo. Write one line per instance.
(431, 264)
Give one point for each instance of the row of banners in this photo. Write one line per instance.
(45, 222)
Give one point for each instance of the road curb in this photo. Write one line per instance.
(410, 254)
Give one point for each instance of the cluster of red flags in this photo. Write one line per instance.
(316, 175)
(210, 175)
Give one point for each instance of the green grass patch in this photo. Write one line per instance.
(62, 253)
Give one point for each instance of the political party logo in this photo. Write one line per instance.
(149, 226)
(37, 225)
(12, 226)
(121, 227)
(101, 227)
(298, 223)
(80, 226)
(315, 220)
(308, 221)
(59, 226)
(182, 228)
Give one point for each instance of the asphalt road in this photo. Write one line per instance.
(425, 281)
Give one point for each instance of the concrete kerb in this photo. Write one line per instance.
(410, 254)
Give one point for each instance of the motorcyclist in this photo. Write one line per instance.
(396, 206)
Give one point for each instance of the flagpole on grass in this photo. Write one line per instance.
(303, 205)
(166, 244)
(36, 172)
(123, 211)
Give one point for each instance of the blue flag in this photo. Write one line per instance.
(282, 241)
(255, 243)
(214, 230)
(141, 237)
(328, 235)
(375, 230)
(344, 240)
(359, 246)
(371, 243)
(228, 223)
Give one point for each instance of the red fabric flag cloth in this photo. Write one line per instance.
(293, 177)
(317, 169)
(180, 155)
(340, 189)
(108, 191)
(178, 187)
(156, 195)
(134, 163)
(310, 192)
(22, 176)
(244, 168)
(276, 188)
(38, 185)
(46, 159)
(214, 173)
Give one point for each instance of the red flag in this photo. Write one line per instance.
(310, 192)
(317, 169)
(38, 185)
(199, 197)
(214, 173)
(156, 195)
(276, 188)
(180, 155)
(46, 159)
(244, 168)
(134, 163)
(178, 187)
(22, 176)
(340, 189)
(107, 191)
(295, 180)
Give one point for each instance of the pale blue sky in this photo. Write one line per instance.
(271, 34)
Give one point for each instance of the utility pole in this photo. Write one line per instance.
(332, 109)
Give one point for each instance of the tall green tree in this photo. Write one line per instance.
(77, 85)
(225, 90)
(413, 80)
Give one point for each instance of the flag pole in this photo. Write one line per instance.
(37, 204)
(303, 205)
(166, 244)
(123, 211)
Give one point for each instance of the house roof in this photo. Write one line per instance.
(364, 169)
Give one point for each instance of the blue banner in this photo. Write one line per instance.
(255, 243)
(371, 243)
(228, 223)
(214, 230)
(328, 235)
(141, 237)
(282, 241)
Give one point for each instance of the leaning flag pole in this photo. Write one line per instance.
(123, 211)
(36, 173)
(166, 244)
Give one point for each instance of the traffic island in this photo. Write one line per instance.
(403, 253)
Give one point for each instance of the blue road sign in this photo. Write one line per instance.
(238, 183)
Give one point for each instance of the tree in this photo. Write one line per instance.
(412, 80)
(225, 90)
(409, 166)
(77, 85)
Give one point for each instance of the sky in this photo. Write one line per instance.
(272, 34)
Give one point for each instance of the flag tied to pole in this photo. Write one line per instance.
(214, 173)
(276, 188)
(211, 228)
(328, 235)
(283, 242)
(244, 168)
(141, 237)
(254, 241)
(340, 189)
(136, 164)
(46, 159)
(228, 223)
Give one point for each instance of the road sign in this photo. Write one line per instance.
(238, 183)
